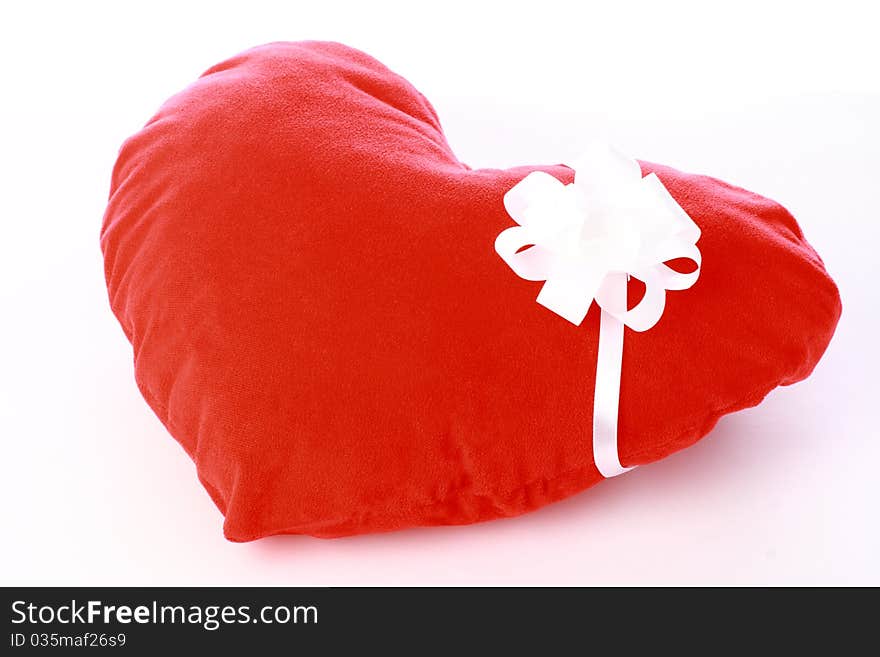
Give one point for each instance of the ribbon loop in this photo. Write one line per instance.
(585, 240)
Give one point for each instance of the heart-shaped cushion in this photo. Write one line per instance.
(307, 276)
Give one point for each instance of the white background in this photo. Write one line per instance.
(781, 99)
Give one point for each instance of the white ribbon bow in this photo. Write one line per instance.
(585, 240)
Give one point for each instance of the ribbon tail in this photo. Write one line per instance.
(606, 399)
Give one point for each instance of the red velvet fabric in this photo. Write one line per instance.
(307, 276)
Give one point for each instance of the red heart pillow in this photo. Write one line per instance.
(307, 276)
